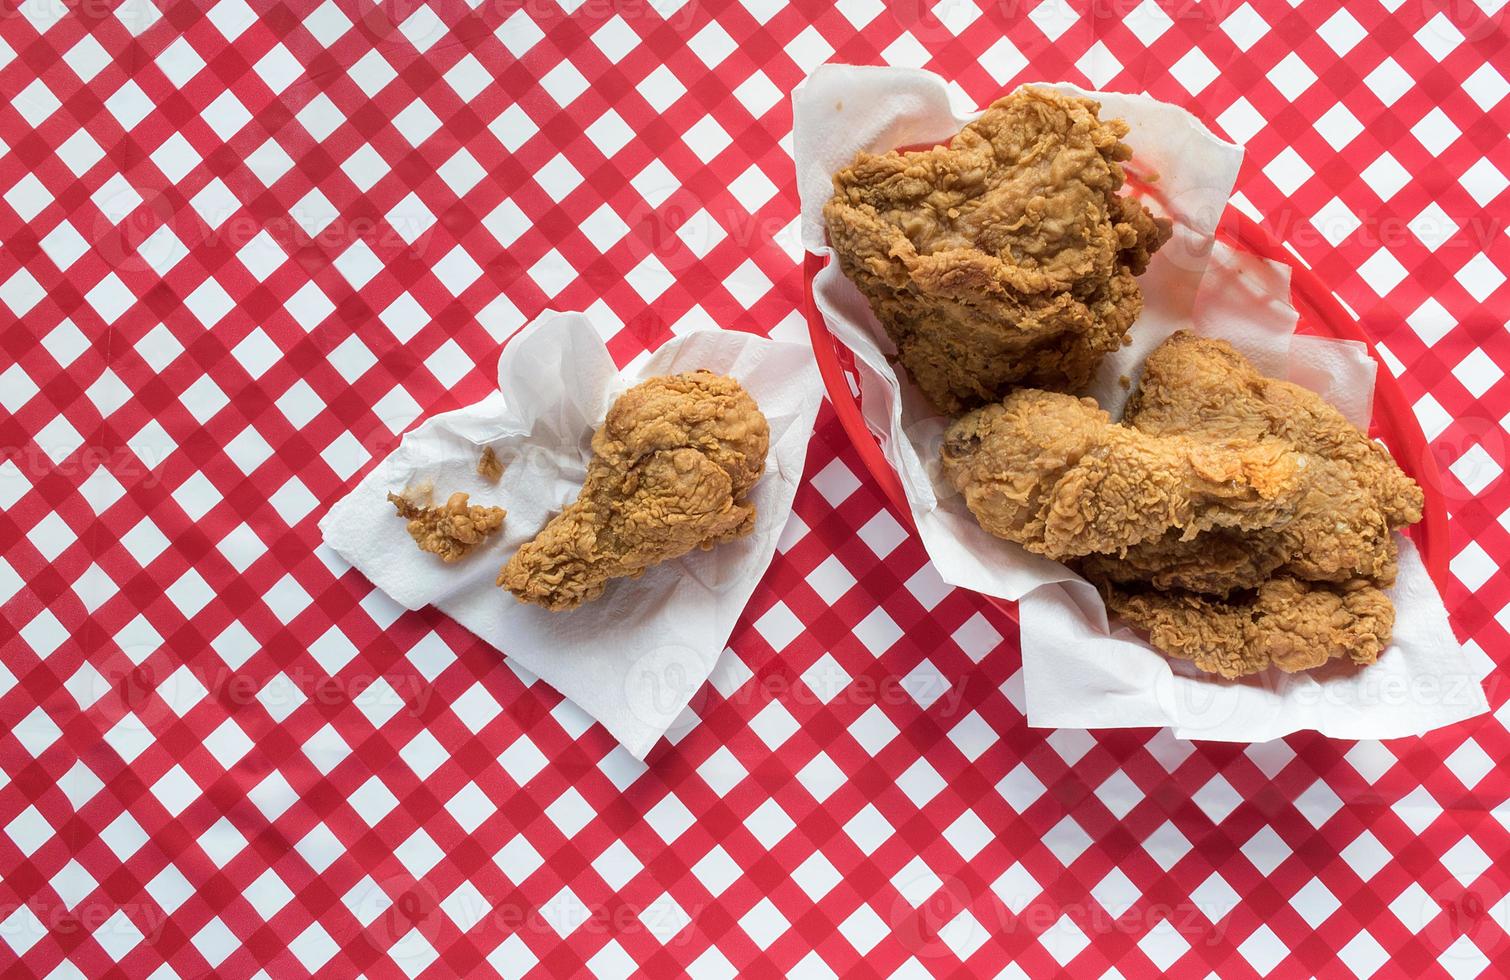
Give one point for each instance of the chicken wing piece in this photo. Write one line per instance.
(1053, 473)
(1006, 257)
(451, 530)
(1286, 622)
(670, 469)
(1357, 495)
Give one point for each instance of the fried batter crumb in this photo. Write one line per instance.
(671, 471)
(489, 466)
(1125, 382)
(450, 530)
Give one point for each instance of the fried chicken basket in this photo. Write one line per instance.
(1321, 314)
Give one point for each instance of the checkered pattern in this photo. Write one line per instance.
(242, 252)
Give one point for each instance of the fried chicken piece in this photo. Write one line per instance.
(1006, 257)
(1357, 494)
(1286, 622)
(489, 466)
(451, 530)
(1055, 474)
(670, 469)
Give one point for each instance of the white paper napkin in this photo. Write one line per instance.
(634, 658)
(1077, 673)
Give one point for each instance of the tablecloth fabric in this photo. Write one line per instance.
(246, 245)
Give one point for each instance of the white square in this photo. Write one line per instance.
(769, 824)
(1433, 226)
(1382, 272)
(226, 116)
(518, 859)
(179, 62)
(759, 94)
(124, 836)
(175, 790)
(552, 273)
(209, 303)
(327, 24)
(661, 88)
(1440, 37)
(228, 744)
(564, 83)
(722, 771)
(162, 250)
(557, 177)
(1194, 71)
(873, 730)
(129, 737)
(314, 212)
(1483, 182)
(80, 152)
(110, 298)
(650, 278)
(358, 264)
(416, 123)
(269, 162)
(604, 228)
(63, 245)
(1480, 277)
(1341, 32)
(309, 306)
(29, 831)
(669, 818)
(1166, 845)
(716, 870)
(564, 912)
(519, 33)
(1435, 131)
(268, 895)
(825, 677)
(712, 44)
(816, 876)
(1338, 126)
(522, 760)
(1263, 950)
(513, 128)
(231, 18)
(117, 936)
(320, 117)
(313, 948)
(21, 292)
(868, 829)
(372, 73)
(470, 807)
(457, 271)
(461, 173)
(423, 28)
(821, 777)
(764, 924)
(278, 69)
(87, 58)
(468, 78)
(419, 853)
(1292, 76)
(129, 105)
(1389, 81)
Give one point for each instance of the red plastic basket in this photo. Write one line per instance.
(1320, 315)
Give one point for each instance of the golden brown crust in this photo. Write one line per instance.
(670, 470)
(451, 530)
(1357, 494)
(1286, 622)
(1055, 474)
(1006, 257)
(489, 466)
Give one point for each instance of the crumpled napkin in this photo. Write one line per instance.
(634, 658)
(1078, 673)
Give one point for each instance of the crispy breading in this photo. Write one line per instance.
(451, 530)
(1286, 622)
(670, 470)
(1357, 494)
(1055, 474)
(1007, 257)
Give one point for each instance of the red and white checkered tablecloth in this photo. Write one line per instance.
(246, 245)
